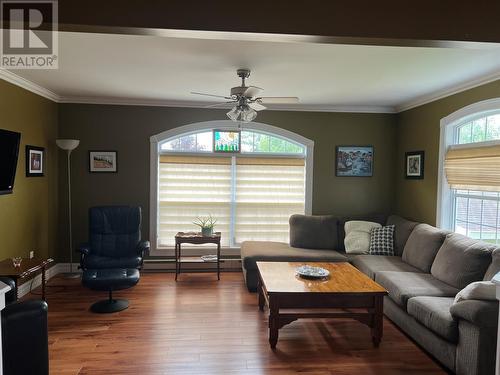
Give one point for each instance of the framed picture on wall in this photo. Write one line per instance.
(354, 161)
(103, 161)
(35, 161)
(414, 165)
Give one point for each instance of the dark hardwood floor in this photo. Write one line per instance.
(201, 326)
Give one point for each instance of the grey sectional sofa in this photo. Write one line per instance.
(429, 268)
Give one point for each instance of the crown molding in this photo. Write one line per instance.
(191, 104)
(448, 92)
(10, 77)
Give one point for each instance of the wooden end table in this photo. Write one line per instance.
(28, 269)
(346, 288)
(195, 238)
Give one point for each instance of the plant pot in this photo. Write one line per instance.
(207, 231)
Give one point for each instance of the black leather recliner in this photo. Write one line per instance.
(25, 344)
(114, 239)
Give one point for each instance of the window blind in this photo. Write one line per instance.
(473, 168)
(267, 192)
(189, 187)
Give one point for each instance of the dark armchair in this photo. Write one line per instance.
(114, 239)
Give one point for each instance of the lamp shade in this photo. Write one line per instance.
(67, 144)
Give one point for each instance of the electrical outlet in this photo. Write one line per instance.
(32, 254)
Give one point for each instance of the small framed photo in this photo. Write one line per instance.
(415, 165)
(35, 160)
(103, 161)
(354, 161)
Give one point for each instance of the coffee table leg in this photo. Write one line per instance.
(378, 321)
(273, 321)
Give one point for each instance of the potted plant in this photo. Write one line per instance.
(206, 224)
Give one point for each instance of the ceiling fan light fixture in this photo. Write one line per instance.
(248, 115)
(234, 113)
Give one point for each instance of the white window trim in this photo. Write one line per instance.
(155, 141)
(448, 134)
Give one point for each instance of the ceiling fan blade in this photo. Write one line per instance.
(252, 91)
(256, 106)
(218, 104)
(215, 96)
(279, 100)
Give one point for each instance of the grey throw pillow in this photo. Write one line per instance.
(382, 241)
(423, 245)
(461, 260)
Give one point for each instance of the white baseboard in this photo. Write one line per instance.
(225, 265)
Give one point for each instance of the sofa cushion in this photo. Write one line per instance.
(423, 245)
(461, 260)
(494, 266)
(371, 264)
(402, 231)
(357, 236)
(404, 285)
(434, 313)
(376, 218)
(313, 232)
(254, 251)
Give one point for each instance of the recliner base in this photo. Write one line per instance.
(109, 306)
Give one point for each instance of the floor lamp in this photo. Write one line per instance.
(69, 145)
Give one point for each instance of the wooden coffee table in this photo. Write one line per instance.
(346, 288)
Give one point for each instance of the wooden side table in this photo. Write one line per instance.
(28, 269)
(195, 238)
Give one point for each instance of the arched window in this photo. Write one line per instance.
(250, 180)
(469, 187)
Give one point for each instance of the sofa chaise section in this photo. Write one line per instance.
(255, 251)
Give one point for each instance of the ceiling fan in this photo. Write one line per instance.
(247, 100)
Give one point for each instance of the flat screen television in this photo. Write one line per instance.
(9, 152)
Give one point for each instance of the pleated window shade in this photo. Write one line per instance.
(268, 191)
(189, 187)
(252, 199)
(473, 168)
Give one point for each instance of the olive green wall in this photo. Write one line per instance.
(28, 217)
(127, 129)
(418, 129)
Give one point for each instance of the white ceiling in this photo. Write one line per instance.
(158, 70)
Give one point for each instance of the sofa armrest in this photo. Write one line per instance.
(482, 313)
(143, 248)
